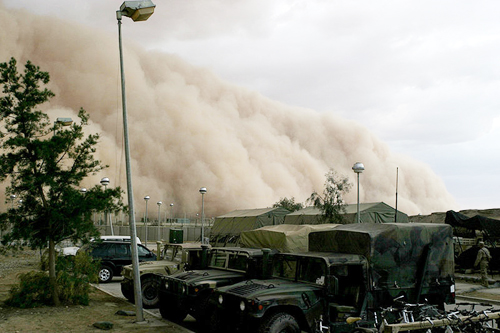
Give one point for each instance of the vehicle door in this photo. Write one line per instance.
(143, 253)
(122, 256)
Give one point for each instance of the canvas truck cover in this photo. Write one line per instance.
(397, 252)
(283, 237)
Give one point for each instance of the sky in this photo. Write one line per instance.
(420, 76)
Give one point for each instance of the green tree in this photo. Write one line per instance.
(331, 203)
(45, 164)
(289, 204)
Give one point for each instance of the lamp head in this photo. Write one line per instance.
(105, 181)
(136, 10)
(64, 121)
(147, 198)
(203, 190)
(358, 167)
(159, 203)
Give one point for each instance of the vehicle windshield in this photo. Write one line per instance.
(229, 260)
(172, 253)
(303, 269)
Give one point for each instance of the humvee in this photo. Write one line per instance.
(351, 271)
(187, 292)
(174, 257)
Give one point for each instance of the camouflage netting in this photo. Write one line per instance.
(392, 250)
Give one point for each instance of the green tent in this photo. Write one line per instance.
(283, 237)
(227, 228)
(378, 212)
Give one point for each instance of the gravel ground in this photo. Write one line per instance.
(75, 318)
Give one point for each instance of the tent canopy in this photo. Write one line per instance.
(227, 228)
(283, 238)
(378, 212)
(490, 227)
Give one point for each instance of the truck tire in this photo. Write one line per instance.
(281, 322)
(211, 322)
(172, 312)
(105, 274)
(127, 292)
(150, 297)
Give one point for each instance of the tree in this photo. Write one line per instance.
(331, 203)
(289, 204)
(45, 165)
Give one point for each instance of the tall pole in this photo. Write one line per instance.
(396, 211)
(159, 221)
(171, 213)
(130, 192)
(105, 183)
(203, 190)
(146, 198)
(358, 168)
(12, 198)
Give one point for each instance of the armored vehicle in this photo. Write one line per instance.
(173, 258)
(187, 292)
(351, 271)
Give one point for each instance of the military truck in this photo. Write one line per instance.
(174, 257)
(351, 271)
(187, 292)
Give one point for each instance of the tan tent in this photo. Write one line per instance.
(283, 238)
(227, 228)
(378, 212)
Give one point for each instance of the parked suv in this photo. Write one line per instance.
(114, 255)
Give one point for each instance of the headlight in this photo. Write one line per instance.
(242, 306)
(183, 289)
(221, 299)
(166, 285)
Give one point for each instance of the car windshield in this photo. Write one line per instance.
(304, 269)
(229, 260)
(172, 253)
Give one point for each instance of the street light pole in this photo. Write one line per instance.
(137, 11)
(358, 168)
(159, 221)
(203, 190)
(105, 183)
(146, 198)
(171, 213)
(12, 198)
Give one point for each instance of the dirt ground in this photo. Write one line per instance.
(66, 318)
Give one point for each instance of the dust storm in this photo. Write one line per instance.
(190, 129)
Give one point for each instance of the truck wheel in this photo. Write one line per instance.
(280, 323)
(150, 297)
(211, 322)
(127, 292)
(105, 274)
(172, 312)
